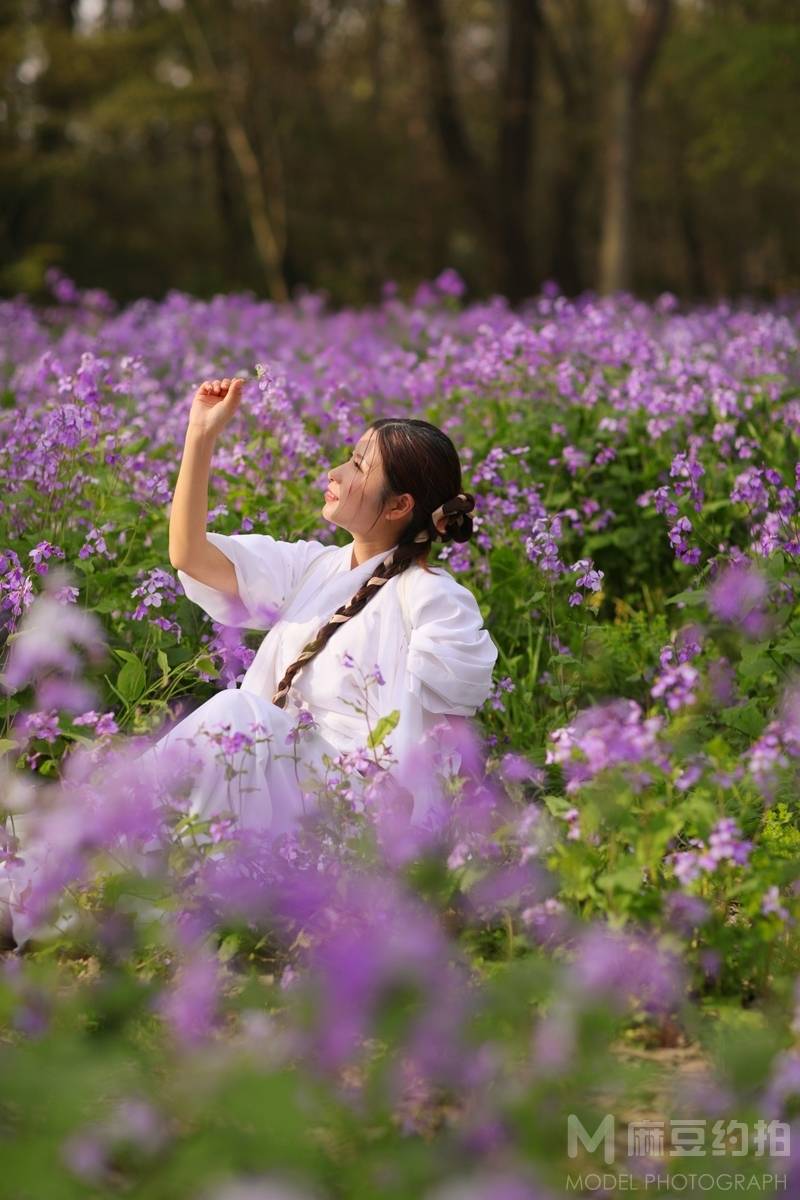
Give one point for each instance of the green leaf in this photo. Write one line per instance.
(384, 727)
(692, 597)
(624, 879)
(126, 655)
(163, 662)
(114, 689)
(789, 649)
(505, 565)
(106, 605)
(754, 663)
(205, 664)
(7, 744)
(229, 946)
(132, 680)
(745, 717)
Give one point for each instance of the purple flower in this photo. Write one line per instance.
(605, 735)
(676, 685)
(542, 546)
(572, 816)
(724, 844)
(736, 597)
(722, 682)
(625, 967)
(67, 694)
(592, 580)
(106, 724)
(373, 938)
(680, 545)
(574, 459)
(41, 553)
(305, 721)
(132, 1123)
(189, 1004)
(506, 684)
(45, 641)
(96, 543)
(686, 866)
(87, 718)
(158, 586)
(686, 467)
(685, 912)
(222, 829)
(770, 903)
(87, 1156)
(690, 775)
(515, 768)
(783, 1085)
(40, 725)
(449, 283)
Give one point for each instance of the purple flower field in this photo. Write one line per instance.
(600, 915)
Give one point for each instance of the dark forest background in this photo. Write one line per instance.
(213, 146)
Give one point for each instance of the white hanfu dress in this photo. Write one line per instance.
(443, 667)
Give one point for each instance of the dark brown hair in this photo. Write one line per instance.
(418, 458)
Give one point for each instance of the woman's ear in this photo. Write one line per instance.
(402, 507)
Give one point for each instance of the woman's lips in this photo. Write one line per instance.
(330, 496)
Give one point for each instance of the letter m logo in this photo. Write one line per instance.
(590, 1142)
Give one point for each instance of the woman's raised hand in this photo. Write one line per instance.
(214, 404)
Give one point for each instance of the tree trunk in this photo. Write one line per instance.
(564, 266)
(498, 197)
(616, 247)
(514, 146)
(65, 12)
(265, 235)
(464, 164)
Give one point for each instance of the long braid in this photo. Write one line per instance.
(451, 521)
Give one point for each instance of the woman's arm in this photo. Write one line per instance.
(189, 548)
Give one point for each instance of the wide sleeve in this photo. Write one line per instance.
(450, 655)
(268, 572)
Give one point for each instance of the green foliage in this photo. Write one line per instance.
(130, 117)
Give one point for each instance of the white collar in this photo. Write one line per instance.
(368, 563)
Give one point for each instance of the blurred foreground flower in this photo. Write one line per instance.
(737, 596)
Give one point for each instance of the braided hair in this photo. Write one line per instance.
(419, 459)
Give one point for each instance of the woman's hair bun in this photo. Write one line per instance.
(452, 520)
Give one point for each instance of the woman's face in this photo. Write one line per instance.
(353, 499)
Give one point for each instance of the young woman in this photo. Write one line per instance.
(344, 645)
(344, 638)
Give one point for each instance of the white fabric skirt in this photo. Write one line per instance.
(267, 787)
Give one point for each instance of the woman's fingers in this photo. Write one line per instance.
(219, 387)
